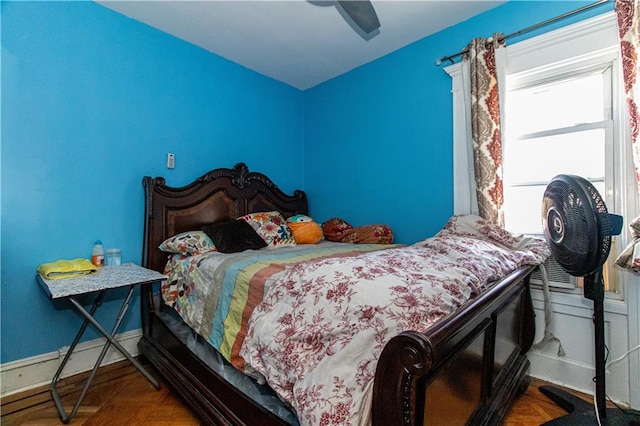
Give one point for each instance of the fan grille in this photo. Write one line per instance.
(576, 224)
(604, 223)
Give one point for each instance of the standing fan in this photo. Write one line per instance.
(578, 229)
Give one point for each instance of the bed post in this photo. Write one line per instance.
(146, 290)
(406, 358)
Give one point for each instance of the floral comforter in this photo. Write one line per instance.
(317, 335)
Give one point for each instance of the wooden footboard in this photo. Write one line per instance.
(467, 369)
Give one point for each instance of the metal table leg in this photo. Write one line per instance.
(89, 319)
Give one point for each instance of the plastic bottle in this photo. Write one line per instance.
(97, 255)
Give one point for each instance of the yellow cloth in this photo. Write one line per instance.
(66, 268)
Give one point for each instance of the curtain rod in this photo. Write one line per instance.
(528, 29)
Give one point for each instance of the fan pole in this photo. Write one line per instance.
(594, 290)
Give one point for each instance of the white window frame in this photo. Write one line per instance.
(606, 60)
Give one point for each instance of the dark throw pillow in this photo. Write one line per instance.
(234, 236)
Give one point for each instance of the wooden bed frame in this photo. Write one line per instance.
(466, 369)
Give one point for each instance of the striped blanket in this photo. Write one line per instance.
(216, 293)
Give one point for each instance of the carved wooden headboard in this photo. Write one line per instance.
(220, 195)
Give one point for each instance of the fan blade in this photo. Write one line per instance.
(362, 13)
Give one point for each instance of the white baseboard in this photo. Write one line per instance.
(566, 373)
(28, 373)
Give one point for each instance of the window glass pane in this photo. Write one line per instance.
(523, 207)
(540, 159)
(563, 104)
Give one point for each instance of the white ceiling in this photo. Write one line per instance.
(299, 42)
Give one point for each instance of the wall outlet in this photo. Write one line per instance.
(171, 161)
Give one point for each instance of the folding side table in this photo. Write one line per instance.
(108, 277)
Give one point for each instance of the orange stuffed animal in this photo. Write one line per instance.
(305, 230)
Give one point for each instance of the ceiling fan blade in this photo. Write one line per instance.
(362, 13)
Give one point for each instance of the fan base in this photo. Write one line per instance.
(580, 412)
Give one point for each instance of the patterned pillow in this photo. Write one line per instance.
(272, 227)
(188, 243)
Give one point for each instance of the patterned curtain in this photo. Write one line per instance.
(485, 126)
(628, 13)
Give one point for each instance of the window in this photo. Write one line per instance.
(561, 118)
(557, 123)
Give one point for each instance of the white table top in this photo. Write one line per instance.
(107, 277)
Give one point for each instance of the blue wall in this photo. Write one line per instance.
(92, 101)
(378, 139)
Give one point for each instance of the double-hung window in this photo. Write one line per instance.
(557, 121)
(565, 113)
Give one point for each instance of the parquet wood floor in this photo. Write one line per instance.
(120, 395)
